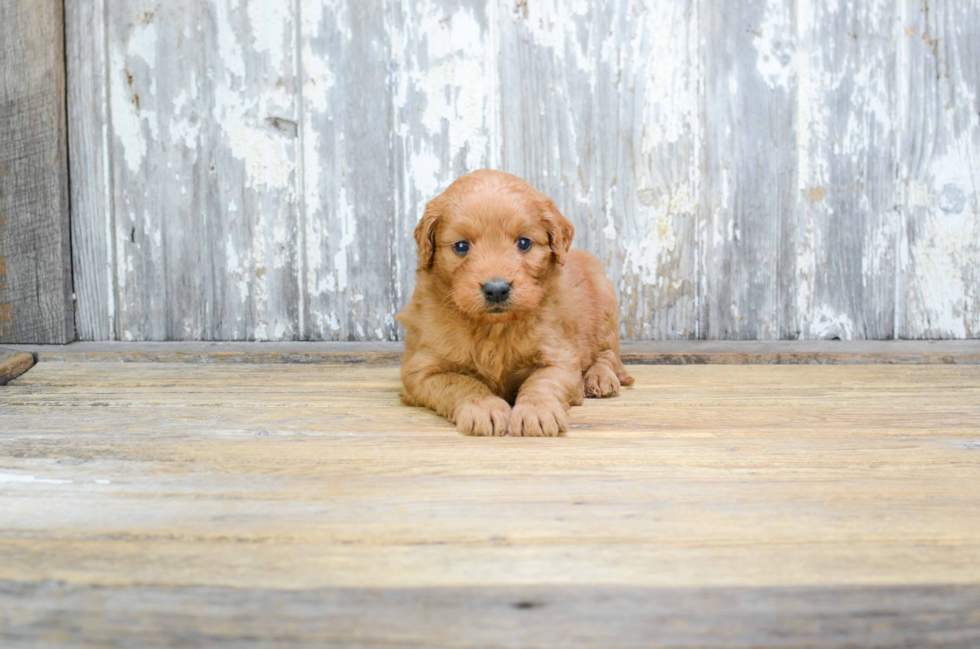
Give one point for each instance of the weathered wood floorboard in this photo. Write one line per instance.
(674, 352)
(154, 504)
(545, 617)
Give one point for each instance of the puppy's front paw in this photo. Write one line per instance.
(537, 419)
(486, 416)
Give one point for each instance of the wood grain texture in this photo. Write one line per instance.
(748, 195)
(349, 187)
(67, 615)
(445, 92)
(252, 175)
(761, 169)
(599, 110)
(35, 243)
(672, 352)
(940, 169)
(159, 166)
(847, 190)
(836, 504)
(92, 230)
(204, 167)
(13, 364)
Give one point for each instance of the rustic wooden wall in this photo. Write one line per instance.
(251, 169)
(35, 254)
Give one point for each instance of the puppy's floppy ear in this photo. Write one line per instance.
(560, 230)
(425, 231)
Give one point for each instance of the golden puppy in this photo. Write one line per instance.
(504, 314)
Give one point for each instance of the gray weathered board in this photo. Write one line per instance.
(759, 169)
(35, 254)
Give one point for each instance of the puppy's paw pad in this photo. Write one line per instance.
(601, 381)
(538, 419)
(486, 416)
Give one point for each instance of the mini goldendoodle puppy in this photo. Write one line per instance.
(507, 327)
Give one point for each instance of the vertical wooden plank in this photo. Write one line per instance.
(847, 190)
(940, 169)
(159, 161)
(204, 158)
(548, 71)
(748, 197)
(254, 145)
(599, 111)
(349, 184)
(91, 195)
(647, 143)
(35, 244)
(445, 89)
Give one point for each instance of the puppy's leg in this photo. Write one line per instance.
(621, 373)
(543, 401)
(602, 379)
(461, 399)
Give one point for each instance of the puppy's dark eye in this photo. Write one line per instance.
(461, 248)
(523, 244)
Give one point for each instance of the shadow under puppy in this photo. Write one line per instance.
(507, 327)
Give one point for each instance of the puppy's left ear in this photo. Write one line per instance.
(560, 230)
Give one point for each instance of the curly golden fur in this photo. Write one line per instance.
(511, 361)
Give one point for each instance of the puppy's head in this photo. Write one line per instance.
(490, 243)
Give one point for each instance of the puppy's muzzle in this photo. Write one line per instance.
(496, 291)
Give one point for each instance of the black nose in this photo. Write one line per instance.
(496, 290)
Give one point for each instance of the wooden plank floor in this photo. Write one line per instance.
(159, 504)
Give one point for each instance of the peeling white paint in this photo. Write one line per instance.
(774, 45)
(612, 130)
(827, 324)
(643, 256)
(271, 26)
(126, 121)
(268, 164)
(143, 43)
(426, 174)
(452, 81)
(229, 49)
(348, 230)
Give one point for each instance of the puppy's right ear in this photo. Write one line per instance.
(425, 231)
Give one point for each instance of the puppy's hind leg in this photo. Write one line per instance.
(624, 376)
(606, 375)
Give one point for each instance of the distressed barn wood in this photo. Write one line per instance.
(940, 169)
(92, 231)
(760, 169)
(204, 165)
(599, 110)
(35, 252)
(748, 192)
(348, 174)
(847, 191)
(176, 504)
(445, 92)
